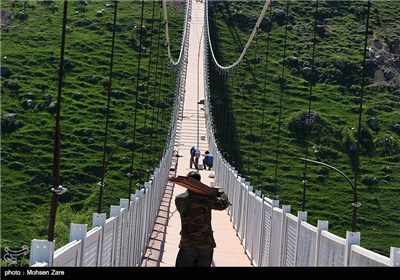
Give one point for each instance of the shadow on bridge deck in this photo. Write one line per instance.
(163, 246)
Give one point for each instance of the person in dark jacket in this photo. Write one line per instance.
(196, 246)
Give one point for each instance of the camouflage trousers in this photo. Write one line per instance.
(194, 257)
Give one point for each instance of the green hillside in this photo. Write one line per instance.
(140, 98)
(261, 108)
(247, 127)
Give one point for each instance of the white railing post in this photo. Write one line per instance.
(268, 244)
(115, 211)
(233, 198)
(124, 202)
(99, 220)
(118, 242)
(285, 209)
(352, 238)
(249, 189)
(240, 208)
(321, 225)
(275, 203)
(150, 212)
(78, 232)
(395, 256)
(247, 231)
(42, 251)
(262, 232)
(131, 238)
(301, 217)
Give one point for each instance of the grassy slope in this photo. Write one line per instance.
(329, 196)
(31, 49)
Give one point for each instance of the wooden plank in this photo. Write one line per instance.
(193, 185)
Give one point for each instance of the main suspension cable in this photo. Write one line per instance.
(168, 43)
(249, 41)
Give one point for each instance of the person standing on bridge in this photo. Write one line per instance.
(196, 246)
(194, 157)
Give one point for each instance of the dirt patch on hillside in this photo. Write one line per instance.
(387, 63)
(5, 17)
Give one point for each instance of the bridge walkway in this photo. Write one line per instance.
(163, 246)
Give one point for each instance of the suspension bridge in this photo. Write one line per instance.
(143, 231)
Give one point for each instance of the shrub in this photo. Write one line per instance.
(387, 146)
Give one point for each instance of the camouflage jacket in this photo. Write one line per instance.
(195, 211)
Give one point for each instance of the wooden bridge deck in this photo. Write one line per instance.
(163, 246)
